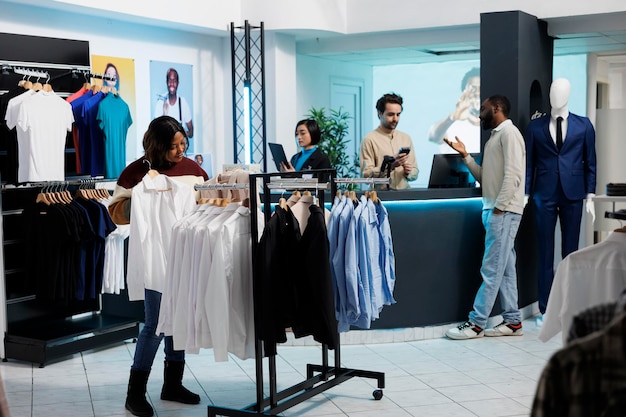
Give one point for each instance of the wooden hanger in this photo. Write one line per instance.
(282, 203)
(42, 198)
(47, 87)
(374, 197)
(306, 193)
(28, 84)
(37, 86)
(104, 193)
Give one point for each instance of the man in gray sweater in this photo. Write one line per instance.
(502, 177)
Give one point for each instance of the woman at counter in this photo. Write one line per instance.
(310, 156)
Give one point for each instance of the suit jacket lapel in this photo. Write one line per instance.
(546, 131)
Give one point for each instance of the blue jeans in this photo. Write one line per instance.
(148, 341)
(498, 269)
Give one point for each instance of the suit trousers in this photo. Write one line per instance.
(569, 213)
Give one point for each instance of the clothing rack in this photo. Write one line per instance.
(319, 377)
(235, 186)
(27, 69)
(39, 332)
(51, 72)
(33, 331)
(372, 180)
(27, 72)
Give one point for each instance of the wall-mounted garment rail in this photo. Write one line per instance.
(45, 65)
(27, 72)
(66, 77)
(319, 377)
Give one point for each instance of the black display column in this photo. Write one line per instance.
(516, 61)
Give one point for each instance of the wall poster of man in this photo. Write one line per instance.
(171, 93)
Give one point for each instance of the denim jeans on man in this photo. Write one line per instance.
(148, 342)
(498, 269)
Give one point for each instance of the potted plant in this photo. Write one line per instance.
(334, 129)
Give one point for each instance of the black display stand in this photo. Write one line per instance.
(319, 377)
(38, 332)
(34, 331)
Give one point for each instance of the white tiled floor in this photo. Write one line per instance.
(438, 377)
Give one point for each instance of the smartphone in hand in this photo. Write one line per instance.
(405, 150)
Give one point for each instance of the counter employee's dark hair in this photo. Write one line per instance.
(393, 98)
(314, 130)
(158, 139)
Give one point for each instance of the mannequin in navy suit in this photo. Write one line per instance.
(559, 179)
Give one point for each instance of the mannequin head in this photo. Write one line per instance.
(559, 93)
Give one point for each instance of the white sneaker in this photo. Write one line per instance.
(467, 330)
(505, 329)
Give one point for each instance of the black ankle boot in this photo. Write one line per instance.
(173, 389)
(136, 401)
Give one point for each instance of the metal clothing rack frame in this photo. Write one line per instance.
(319, 377)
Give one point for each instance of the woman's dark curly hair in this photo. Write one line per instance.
(157, 141)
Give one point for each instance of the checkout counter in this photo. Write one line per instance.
(438, 241)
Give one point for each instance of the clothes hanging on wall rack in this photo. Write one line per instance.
(102, 120)
(102, 123)
(362, 257)
(41, 120)
(9, 136)
(15, 87)
(68, 237)
(33, 330)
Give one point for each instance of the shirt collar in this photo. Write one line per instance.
(502, 125)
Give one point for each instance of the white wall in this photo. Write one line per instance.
(313, 85)
(280, 79)
(341, 16)
(610, 149)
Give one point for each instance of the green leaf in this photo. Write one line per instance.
(334, 129)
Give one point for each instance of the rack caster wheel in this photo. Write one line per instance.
(378, 394)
